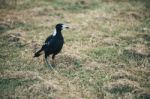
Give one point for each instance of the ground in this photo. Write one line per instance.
(106, 53)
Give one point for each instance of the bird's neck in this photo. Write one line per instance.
(57, 33)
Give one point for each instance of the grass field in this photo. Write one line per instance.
(106, 53)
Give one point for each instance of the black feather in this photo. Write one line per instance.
(53, 44)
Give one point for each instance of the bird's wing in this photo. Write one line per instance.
(48, 40)
(48, 46)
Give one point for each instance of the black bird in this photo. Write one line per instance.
(53, 44)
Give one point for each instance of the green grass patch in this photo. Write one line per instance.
(10, 54)
(105, 54)
(8, 85)
(75, 6)
(132, 57)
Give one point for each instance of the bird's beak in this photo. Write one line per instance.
(65, 27)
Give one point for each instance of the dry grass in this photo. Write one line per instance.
(105, 55)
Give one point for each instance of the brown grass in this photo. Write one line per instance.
(105, 55)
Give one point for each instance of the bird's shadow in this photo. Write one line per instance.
(65, 61)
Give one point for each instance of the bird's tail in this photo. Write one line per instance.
(38, 53)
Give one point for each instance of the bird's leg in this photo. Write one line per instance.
(48, 63)
(53, 60)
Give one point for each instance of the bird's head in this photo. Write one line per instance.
(61, 26)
